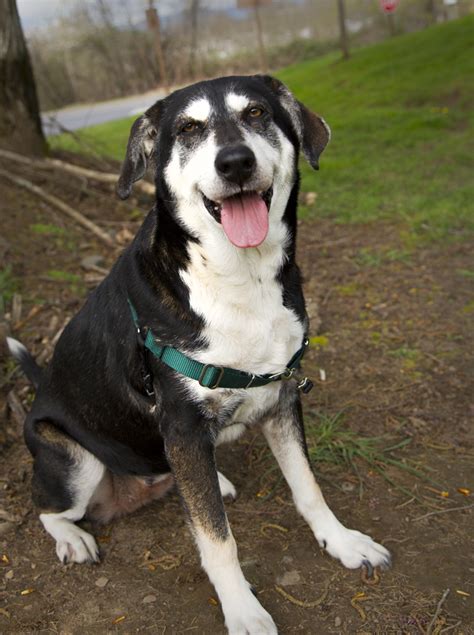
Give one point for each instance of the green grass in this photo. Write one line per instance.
(335, 444)
(8, 286)
(46, 229)
(107, 139)
(402, 142)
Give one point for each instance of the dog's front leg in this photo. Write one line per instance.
(191, 457)
(285, 434)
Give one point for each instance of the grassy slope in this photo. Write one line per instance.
(402, 142)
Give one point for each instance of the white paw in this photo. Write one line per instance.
(353, 548)
(76, 545)
(248, 617)
(226, 487)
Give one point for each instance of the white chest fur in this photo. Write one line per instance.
(247, 326)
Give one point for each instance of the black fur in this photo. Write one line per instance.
(93, 389)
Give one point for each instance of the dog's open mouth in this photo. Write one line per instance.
(244, 216)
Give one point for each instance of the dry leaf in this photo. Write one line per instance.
(117, 620)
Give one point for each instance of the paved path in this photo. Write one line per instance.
(76, 117)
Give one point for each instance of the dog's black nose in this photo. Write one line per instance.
(235, 163)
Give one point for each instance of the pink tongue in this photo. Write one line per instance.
(245, 220)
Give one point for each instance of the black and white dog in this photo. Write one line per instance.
(211, 286)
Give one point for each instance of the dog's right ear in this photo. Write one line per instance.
(139, 149)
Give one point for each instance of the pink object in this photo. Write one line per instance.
(245, 220)
(389, 6)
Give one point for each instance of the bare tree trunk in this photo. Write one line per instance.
(153, 22)
(193, 45)
(342, 29)
(261, 46)
(20, 123)
(431, 8)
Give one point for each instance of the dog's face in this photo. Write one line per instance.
(226, 151)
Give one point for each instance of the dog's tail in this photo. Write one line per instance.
(26, 360)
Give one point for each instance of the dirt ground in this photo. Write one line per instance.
(395, 343)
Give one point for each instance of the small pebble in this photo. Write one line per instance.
(101, 582)
(289, 578)
(337, 621)
(9, 574)
(347, 486)
(92, 261)
(149, 599)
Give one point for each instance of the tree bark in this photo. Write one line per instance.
(431, 9)
(342, 29)
(193, 45)
(20, 123)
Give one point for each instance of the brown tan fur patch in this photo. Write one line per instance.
(119, 495)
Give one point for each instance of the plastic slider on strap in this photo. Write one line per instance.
(202, 376)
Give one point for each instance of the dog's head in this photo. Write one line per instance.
(226, 152)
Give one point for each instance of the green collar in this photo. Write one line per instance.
(210, 376)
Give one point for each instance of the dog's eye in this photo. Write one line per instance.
(255, 112)
(191, 126)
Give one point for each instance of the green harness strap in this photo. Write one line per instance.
(211, 376)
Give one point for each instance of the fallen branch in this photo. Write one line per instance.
(58, 204)
(439, 606)
(49, 164)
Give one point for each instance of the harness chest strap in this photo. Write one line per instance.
(211, 376)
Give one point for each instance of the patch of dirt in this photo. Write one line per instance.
(395, 344)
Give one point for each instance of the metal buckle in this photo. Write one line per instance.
(203, 373)
(288, 373)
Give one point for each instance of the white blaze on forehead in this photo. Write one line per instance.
(198, 109)
(235, 102)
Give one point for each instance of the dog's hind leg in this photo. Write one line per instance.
(65, 478)
(285, 435)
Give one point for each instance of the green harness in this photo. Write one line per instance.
(208, 375)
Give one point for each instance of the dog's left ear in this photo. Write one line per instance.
(139, 149)
(312, 131)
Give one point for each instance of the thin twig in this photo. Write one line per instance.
(450, 628)
(59, 204)
(443, 511)
(438, 611)
(16, 408)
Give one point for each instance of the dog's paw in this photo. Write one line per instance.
(353, 548)
(76, 545)
(226, 487)
(249, 618)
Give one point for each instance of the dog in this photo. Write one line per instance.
(194, 336)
